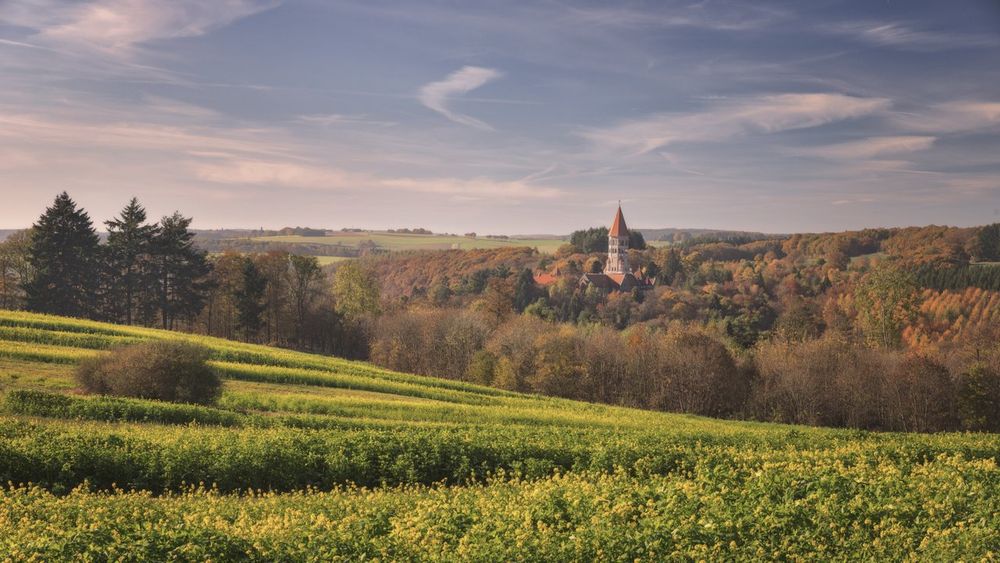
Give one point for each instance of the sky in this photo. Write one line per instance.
(504, 117)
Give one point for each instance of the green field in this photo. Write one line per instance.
(402, 241)
(315, 458)
(327, 260)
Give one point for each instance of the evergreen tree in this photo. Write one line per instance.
(64, 259)
(636, 241)
(250, 300)
(525, 290)
(180, 269)
(590, 240)
(128, 261)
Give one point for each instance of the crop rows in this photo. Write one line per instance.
(812, 509)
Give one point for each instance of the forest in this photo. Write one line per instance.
(882, 329)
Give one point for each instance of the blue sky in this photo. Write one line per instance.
(504, 117)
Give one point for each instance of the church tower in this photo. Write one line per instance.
(618, 246)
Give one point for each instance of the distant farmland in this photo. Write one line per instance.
(403, 241)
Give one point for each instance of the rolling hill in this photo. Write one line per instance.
(309, 457)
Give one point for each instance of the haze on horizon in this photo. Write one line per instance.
(519, 117)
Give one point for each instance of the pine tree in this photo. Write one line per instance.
(180, 269)
(525, 290)
(250, 300)
(64, 259)
(128, 261)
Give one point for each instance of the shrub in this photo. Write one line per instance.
(163, 370)
(695, 373)
(921, 396)
(979, 398)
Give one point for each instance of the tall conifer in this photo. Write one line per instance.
(128, 262)
(180, 269)
(65, 262)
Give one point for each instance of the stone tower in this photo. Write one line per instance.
(617, 246)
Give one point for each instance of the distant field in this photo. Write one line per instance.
(316, 458)
(873, 256)
(398, 241)
(658, 243)
(326, 260)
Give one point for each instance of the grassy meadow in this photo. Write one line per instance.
(309, 457)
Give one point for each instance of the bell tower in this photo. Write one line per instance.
(617, 246)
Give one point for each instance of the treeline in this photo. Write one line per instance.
(830, 380)
(153, 274)
(144, 273)
(288, 300)
(595, 239)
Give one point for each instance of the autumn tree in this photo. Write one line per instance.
(15, 269)
(886, 301)
(498, 300)
(273, 266)
(356, 290)
(921, 396)
(304, 285)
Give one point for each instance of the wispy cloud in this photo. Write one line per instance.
(125, 136)
(439, 95)
(703, 15)
(175, 108)
(870, 147)
(728, 118)
(904, 36)
(115, 26)
(328, 119)
(951, 117)
(319, 177)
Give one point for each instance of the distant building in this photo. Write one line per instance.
(617, 276)
(546, 279)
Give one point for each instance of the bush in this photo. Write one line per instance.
(921, 396)
(979, 398)
(695, 373)
(163, 370)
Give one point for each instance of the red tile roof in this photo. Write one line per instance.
(544, 279)
(618, 228)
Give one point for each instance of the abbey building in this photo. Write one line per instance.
(617, 276)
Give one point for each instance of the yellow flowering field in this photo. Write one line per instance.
(319, 459)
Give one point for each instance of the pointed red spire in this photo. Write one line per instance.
(618, 228)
